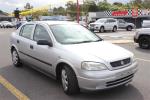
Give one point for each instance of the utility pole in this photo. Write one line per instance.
(78, 11)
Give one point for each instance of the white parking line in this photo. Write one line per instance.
(146, 60)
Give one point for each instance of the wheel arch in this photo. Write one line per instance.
(60, 65)
(129, 26)
(142, 35)
(13, 47)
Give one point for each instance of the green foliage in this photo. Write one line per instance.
(59, 11)
(104, 6)
(71, 8)
(93, 6)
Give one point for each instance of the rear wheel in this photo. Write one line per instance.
(144, 42)
(69, 81)
(15, 58)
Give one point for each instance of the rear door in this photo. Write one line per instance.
(113, 23)
(25, 38)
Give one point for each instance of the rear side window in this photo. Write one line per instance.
(121, 21)
(111, 21)
(26, 31)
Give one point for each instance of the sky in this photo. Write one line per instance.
(10, 5)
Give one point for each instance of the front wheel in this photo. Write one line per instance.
(15, 58)
(102, 29)
(129, 28)
(144, 42)
(69, 81)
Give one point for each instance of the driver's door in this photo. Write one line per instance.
(43, 55)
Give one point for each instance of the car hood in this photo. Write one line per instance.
(144, 30)
(99, 50)
(95, 23)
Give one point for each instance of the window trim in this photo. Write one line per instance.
(20, 32)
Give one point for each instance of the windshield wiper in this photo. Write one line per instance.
(81, 42)
(85, 41)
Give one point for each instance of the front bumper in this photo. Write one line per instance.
(99, 80)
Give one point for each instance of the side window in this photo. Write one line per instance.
(41, 33)
(26, 31)
(111, 21)
(121, 21)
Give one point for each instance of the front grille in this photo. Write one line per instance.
(119, 81)
(92, 25)
(120, 62)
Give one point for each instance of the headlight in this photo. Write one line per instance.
(93, 66)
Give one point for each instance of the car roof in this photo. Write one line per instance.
(54, 22)
(107, 18)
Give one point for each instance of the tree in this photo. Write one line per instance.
(92, 7)
(71, 8)
(118, 3)
(104, 6)
(59, 11)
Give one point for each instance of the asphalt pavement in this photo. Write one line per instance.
(36, 86)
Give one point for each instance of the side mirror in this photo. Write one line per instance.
(44, 42)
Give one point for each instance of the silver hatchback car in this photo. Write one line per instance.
(69, 52)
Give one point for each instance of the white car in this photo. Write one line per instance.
(142, 37)
(104, 24)
(125, 25)
(1, 26)
(7, 24)
(72, 54)
(146, 24)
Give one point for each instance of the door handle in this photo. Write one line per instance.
(31, 47)
(18, 41)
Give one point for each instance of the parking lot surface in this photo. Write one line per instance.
(36, 86)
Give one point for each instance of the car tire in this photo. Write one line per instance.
(102, 29)
(114, 29)
(15, 58)
(129, 28)
(144, 42)
(69, 81)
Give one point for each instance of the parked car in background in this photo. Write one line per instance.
(7, 24)
(125, 25)
(142, 37)
(1, 26)
(146, 24)
(104, 24)
(90, 62)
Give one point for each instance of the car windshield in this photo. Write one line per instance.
(73, 34)
(101, 20)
